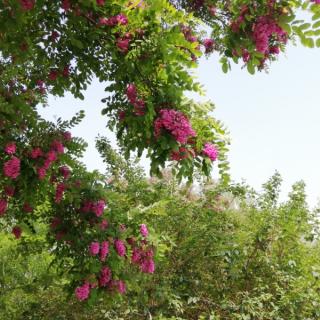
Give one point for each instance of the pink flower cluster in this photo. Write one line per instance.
(27, 4)
(65, 5)
(10, 148)
(16, 231)
(27, 208)
(64, 171)
(123, 43)
(59, 192)
(67, 135)
(175, 123)
(9, 191)
(144, 230)
(3, 206)
(211, 151)
(82, 293)
(36, 153)
(11, 168)
(95, 248)
(263, 30)
(143, 258)
(96, 207)
(50, 157)
(120, 247)
(53, 74)
(138, 104)
(104, 250)
(105, 276)
(208, 44)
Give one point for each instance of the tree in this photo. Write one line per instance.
(143, 51)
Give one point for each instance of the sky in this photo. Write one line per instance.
(273, 118)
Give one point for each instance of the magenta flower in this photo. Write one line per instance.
(121, 115)
(41, 173)
(57, 146)
(27, 4)
(16, 231)
(59, 192)
(121, 287)
(10, 148)
(66, 71)
(105, 276)
(66, 5)
(123, 44)
(9, 191)
(144, 230)
(120, 247)
(136, 256)
(54, 36)
(82, 293)
(104, 251)
(65, 171)
(94, 248)
(132, 93)
(266, 29)
(275, 50)
(67, 136)
(53, 75)
(211, 151)
(208, 44)
(86, 206)
(11, 168)
(51, 156)
(100, 2)
(36, 152)
(98, 207)
(122, 19)
(3, 206)
(27, 208)
(148, 266)
(139, 107)
(174, 122)
(245, 55)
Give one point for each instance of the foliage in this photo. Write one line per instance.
(144, 52)
(221, 253)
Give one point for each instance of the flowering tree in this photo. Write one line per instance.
(143, 51)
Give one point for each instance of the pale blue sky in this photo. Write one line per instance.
(273, 118)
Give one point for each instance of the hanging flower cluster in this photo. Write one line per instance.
(264, 31)
(210, 151)
(78, 218)
(175, 123)
(142, 255)
(138, 104)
